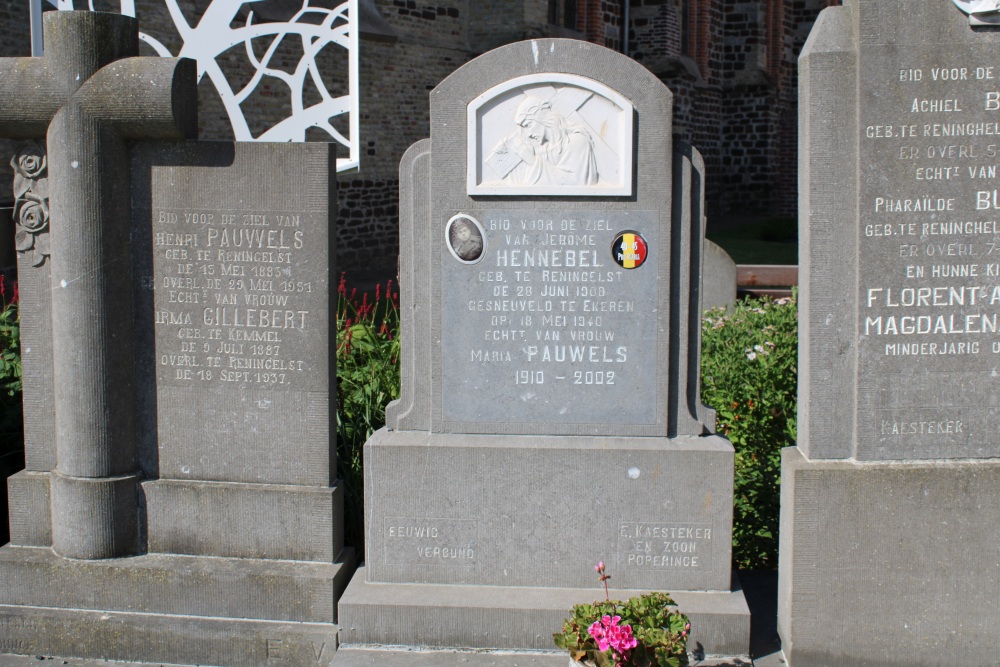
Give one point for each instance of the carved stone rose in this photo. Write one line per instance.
(32, 213)
(30, 162)
(31, 203)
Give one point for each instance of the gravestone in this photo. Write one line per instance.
(718, 284)
(888, 530)
(179, 502)
(549, 415)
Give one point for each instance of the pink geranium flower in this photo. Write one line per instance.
(608, 634)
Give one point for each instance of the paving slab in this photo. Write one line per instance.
(381, 657)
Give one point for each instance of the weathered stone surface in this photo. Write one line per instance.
(87, 97)
(898, 322)
(236, 324)
(653, 407)
(502, 512)
(550, 365)
(919, 314)
(503, 617)
(175, 585)
(245, 520)
(28, 495)
(827, 271)
(719, 279)
(191, 377)
(156, 638)
(901, 558)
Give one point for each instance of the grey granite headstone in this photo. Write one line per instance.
(188, 511)
(899, 307)
(549, 417)
(718, 283)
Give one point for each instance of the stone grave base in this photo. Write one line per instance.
(241, 575)
(513, 618)
(198, 518)
(889, 564)
(164, 638)
(172, 609)
(527, 510)
(486, 541)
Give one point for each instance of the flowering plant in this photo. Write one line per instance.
(643, 631)
(749, 360)
(367, 379)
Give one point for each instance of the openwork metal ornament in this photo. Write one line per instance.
(31, 203)
(981, 12)
(228, 27)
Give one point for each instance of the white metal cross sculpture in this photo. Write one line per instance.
(220, 29)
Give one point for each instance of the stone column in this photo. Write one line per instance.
(91, 102)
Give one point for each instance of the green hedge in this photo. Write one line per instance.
(11, 424)
(748, 374)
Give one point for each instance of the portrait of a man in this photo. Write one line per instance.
(465, 240)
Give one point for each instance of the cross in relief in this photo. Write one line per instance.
(87, 97)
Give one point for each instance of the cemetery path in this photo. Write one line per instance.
(358, 658)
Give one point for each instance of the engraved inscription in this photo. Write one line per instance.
(319, 651)
(451, 542)
(274, 649)
(14, 646)
(665, 545)
(563, 332)
(930, 251)
(233, 303)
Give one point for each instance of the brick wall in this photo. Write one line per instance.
(731, 65)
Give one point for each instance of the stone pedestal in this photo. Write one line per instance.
(487, 541)
(868, 547)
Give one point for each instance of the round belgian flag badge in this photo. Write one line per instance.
(629, 249)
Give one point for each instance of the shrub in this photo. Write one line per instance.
(748, 374)
(367, 379)
(11, 421)
(11, 429)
